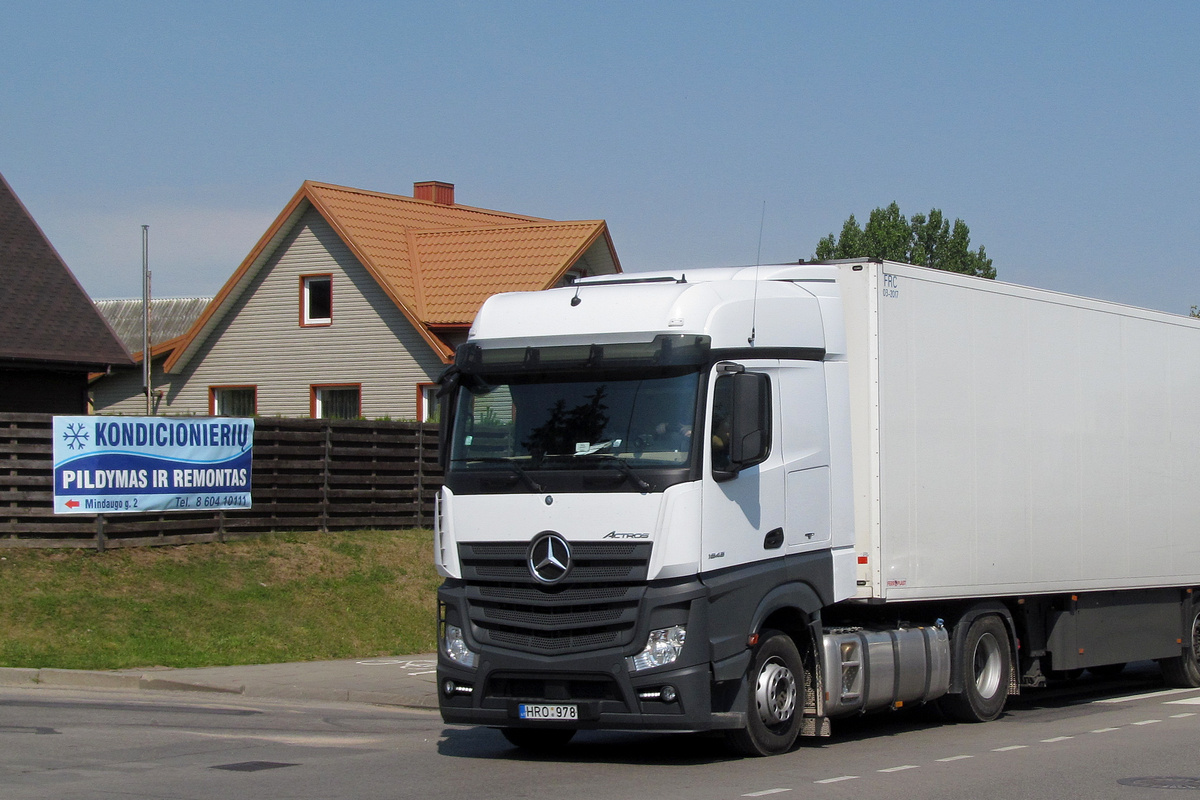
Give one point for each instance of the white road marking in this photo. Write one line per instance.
(1185, 701)
(1147, 696)
(409, 663)
(766, 792)
(295, 740)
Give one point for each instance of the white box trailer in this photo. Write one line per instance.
(1012, 441)
(758, 499)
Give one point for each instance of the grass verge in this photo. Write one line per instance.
(284, 597)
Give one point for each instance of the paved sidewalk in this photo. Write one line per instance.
(391, 680)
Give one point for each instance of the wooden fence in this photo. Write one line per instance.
(308, 474)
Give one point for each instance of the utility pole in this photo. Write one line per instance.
(146, 368)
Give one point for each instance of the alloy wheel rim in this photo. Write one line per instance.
(987, 663)
(775, 693)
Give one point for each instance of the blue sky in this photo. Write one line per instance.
(1065, 134)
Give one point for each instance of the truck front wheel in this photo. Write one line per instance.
(1184, 670)
(775, 698)
(986, 667)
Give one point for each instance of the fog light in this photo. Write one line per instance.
(448, 688)
(663, 694)
(454, 645)
(662, 647)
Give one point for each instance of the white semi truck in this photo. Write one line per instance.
(758, 499)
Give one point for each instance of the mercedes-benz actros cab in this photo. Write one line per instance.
(758, 499)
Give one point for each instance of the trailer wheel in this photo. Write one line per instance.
(987, 664)
(538, 740)
(775, 701)
(1184, 670)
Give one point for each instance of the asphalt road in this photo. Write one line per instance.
(1124, 738)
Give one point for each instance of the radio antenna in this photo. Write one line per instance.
(757, 262)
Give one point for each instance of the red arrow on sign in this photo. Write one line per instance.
(72, 504)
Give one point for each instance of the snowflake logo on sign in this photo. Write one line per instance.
(75, 436)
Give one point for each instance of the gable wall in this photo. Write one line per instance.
(260, 342)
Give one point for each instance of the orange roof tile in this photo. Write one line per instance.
(437, 262)
(459, 269)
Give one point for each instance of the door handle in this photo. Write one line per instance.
(773, 540)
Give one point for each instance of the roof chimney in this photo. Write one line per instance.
(435, 191)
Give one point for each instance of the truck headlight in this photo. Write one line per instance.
(454, 645)
(662, 648)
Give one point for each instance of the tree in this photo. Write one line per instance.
(929, 241)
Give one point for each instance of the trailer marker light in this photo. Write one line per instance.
(862, 559)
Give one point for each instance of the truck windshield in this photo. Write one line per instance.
(577, 420)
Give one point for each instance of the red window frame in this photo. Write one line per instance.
(312, 396)
(212, 395)
(424, 413)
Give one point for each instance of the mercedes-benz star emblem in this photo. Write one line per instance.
(549, 558)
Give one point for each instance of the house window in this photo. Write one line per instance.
(316, 300)
(233, 401)
(336, 402)
(427, 402)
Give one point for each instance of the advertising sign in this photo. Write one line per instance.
(120, 465)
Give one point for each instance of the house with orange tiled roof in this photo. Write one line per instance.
(352, 303)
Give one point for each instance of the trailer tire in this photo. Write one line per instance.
(987, 666)
(1183, 670)
(538, 740)
(775, 698)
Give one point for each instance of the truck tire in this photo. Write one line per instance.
(986, 668)
(775, 698)
(538, 740)
(1184, 670)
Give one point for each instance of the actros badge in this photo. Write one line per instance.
(549, 558)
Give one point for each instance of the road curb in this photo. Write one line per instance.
(93, 679)
(86, 679)
(161, 685)
(18, 676)
(423, 697)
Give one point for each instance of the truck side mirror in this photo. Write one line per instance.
(741, 422)
(447, 394)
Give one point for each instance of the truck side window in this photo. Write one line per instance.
(721, 422)
(741, 422)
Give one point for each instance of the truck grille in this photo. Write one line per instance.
(594, 607)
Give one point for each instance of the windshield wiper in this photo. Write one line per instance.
(610, 460)
(513, 465)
